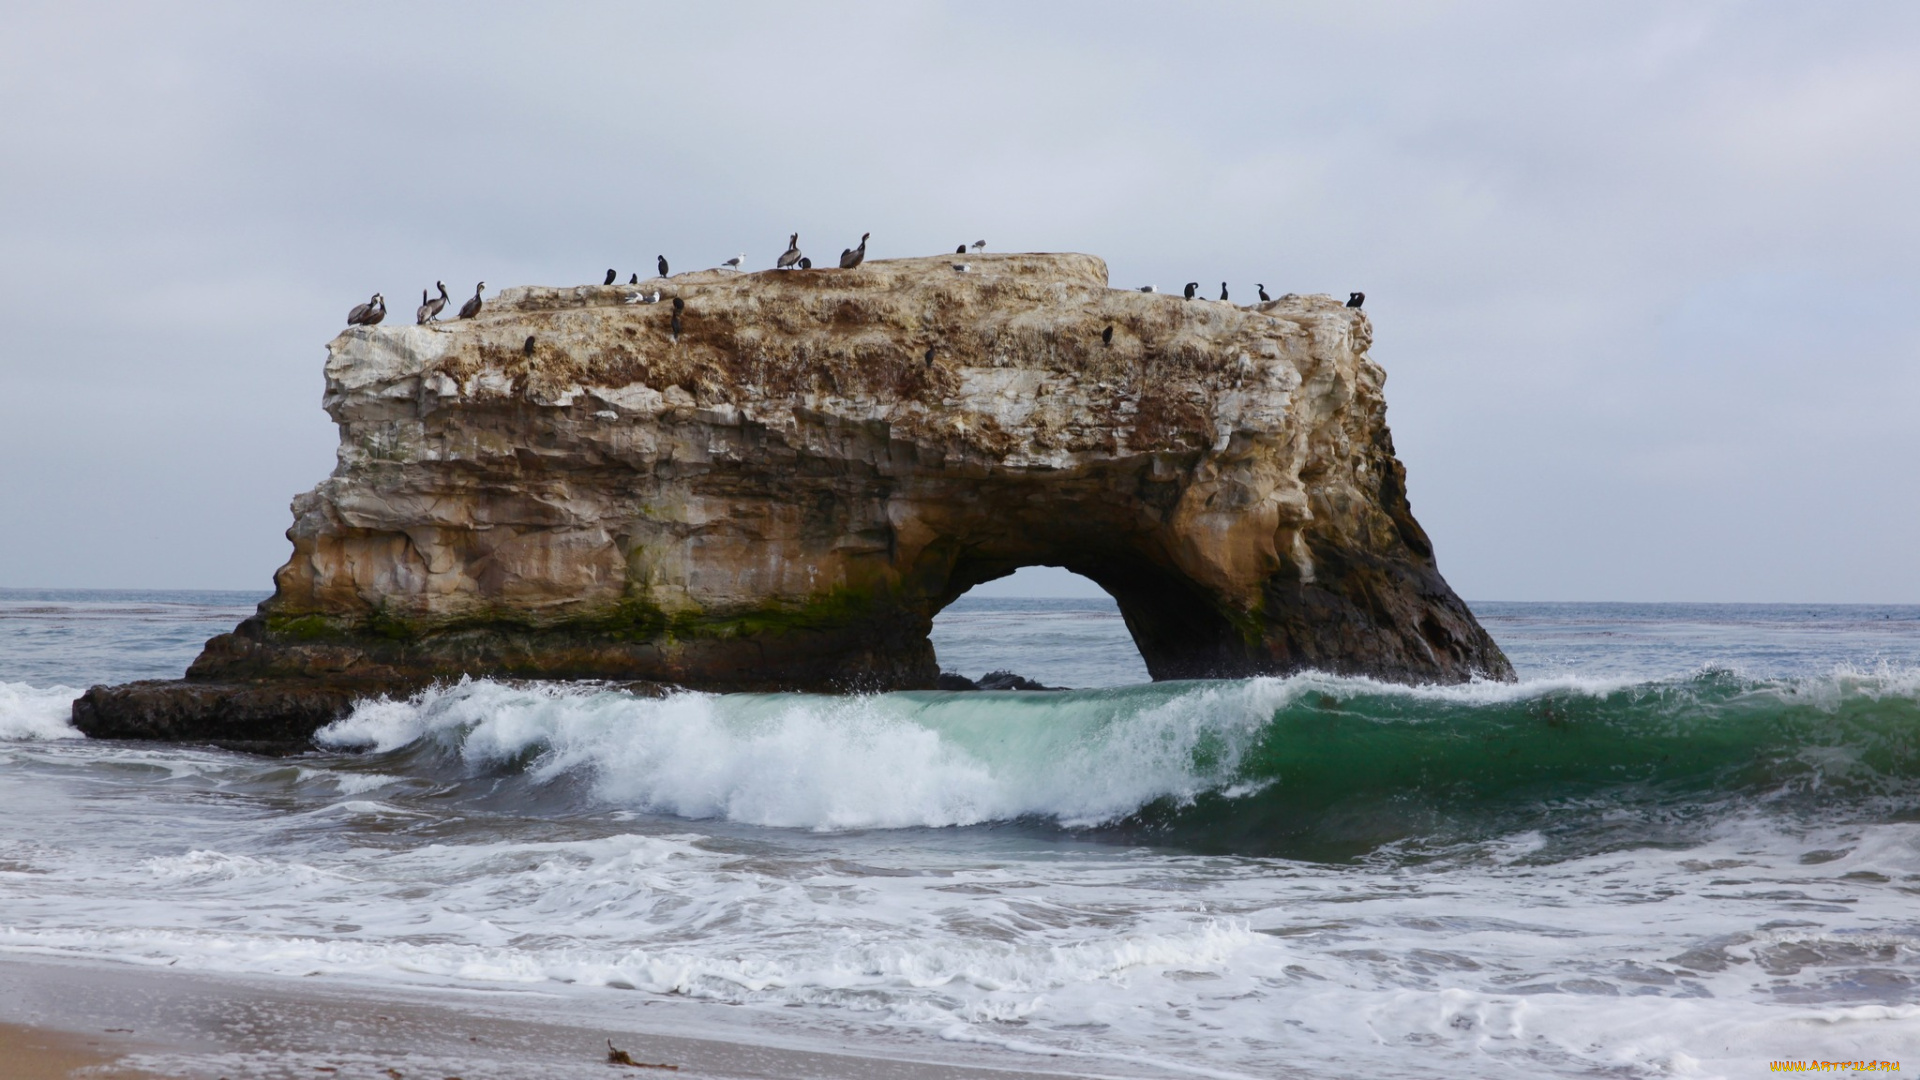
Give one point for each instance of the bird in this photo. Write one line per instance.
(961, 250)
(679, 305)
(929, 356)
(1146, 288)
(1354, 300)
(431, 309)
(1192, 287)
(979, 245)
(791, 255)
(963, 267)
(1263, 293)
(675, 323)
(806, 263)
(643, 298)
(661, 262)
(611, 276)
(734, 263)
(472, 307)
(369, 313)
(634, 280)
(1223, 290)
(1106, 336)
(853, 257)
(527, 349)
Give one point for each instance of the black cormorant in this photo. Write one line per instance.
(806, 263)
(1356, 299)
(611, 277)
(662, 264)
(1192, 287)
(1106, 336)
(527, 349)
(1223, 290)
(1263, 293)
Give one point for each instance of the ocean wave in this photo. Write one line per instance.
(37, 712)
(1232, 759)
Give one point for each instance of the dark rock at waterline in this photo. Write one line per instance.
(992, 680)
(276, 717)
(950, 681)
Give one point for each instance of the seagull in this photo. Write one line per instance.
(430, 309)
(369, 313)
(1354, 300)
(963, 267)
(643, 298)
(792, 254)
(1263, 293)
(1106, 336)
(610, 277)
(979, 245)
(662, 264)
(852, 257)
(472, 307)
(734, 263)
(1192, 287)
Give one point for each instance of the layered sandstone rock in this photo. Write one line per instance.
(783, 495)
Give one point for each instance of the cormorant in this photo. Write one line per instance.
(369, 313)
(1146, 288)
(662, 264)
(1356, 299)
(734, 263)
(675, 324)
(431, 309)
(853, 257)
(1106, 336)
(527, 349)
(634, 280)
(679, 305)
(472, 307)
(806, 263)
(1192, 287)
(1223, 290)
(979, 245)
(1263, 293)
(611, 277)
(929, 356)
(961, 250)
(792, 254)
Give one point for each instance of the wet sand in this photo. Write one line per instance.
(130, 1023)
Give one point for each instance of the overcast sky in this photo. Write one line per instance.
(1645, 277)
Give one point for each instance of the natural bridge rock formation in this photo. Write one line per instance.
(785, 494)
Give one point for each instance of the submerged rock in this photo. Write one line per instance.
(783, 494)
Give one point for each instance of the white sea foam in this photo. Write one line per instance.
(36, 712)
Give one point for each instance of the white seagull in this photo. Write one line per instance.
(734, 263)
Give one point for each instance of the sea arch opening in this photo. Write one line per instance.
(1045, 624)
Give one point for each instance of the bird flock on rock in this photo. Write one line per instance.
(375, 309)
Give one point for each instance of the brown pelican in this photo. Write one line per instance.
(1263, 293)
(1106, 336)
(1356, 299)
(369, 313)
(791, 255)
(1192, 287)
(661, 262)
(853, 257)
(472, 307)
(1223, 290)
(431, 309)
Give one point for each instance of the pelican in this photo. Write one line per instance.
(1354, 300)
(611, 277)
(472, 307)
(791, 255)
(1263, 293)
(430, 309)
(853, 257)
(1192, 287)
(661, 262)
(369, 313)
(734, 263)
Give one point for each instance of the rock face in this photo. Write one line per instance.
(785, 493)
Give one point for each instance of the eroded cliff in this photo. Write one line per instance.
(784, 494)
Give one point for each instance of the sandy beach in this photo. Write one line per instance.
(60, 1019)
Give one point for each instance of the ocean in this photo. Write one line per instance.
(1687, 842)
